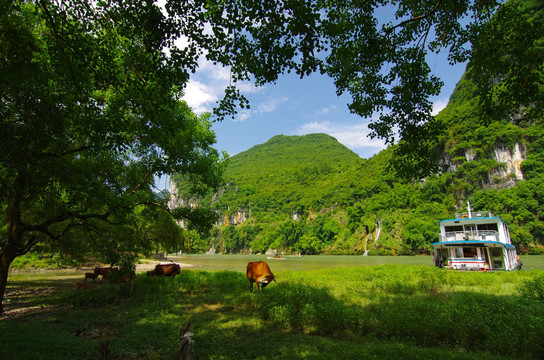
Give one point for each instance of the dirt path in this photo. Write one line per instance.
(31, 284)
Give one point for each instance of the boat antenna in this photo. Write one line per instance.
(468, 208)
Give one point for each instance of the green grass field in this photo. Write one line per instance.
(366, 312)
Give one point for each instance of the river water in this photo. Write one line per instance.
(310, 262)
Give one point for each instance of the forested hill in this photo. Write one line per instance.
(288, 174)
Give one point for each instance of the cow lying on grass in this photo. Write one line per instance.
(259, 273)
(165, 270)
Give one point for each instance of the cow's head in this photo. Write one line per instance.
(265, 280)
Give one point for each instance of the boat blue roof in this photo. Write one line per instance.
(474, 218)
(473, 242)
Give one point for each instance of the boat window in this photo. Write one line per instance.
(453, 228)
(458, 252)
(495, 252)
(488, 227)
(469, 252)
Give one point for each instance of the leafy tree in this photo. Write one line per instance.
(418, 234)
(159, 230)
(382, 63)
(89, 114)
(308, 244)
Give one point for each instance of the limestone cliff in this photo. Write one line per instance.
(504, 176)
(230, 218)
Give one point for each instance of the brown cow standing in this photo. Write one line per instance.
(90, 275)
(165, 270)
(259, 273)
(103, 271)
(126, 277)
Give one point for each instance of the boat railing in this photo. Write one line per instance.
(481, 235)
(473, 214)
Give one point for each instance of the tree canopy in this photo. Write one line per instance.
(90, 113)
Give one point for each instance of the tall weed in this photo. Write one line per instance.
(533, 288)
(421, 306)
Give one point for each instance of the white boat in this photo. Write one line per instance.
(475, 241)
(276, 258)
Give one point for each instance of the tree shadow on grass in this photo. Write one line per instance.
(29, 297)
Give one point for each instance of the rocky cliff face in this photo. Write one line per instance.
(508, 175)
(512, 159)
(235, 218)
(177, 200)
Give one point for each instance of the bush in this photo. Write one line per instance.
(35, 260)
(533, 288)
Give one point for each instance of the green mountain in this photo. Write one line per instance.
(288, 174)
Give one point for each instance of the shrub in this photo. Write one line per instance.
(533, 288)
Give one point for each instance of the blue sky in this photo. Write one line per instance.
(295, 106)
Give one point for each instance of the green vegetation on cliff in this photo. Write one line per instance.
(310, 194)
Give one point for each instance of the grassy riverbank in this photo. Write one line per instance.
(389, 311)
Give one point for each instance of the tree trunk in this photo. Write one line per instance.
(4, 270)
(15, 228)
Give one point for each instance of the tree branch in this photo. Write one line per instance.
(417, 18)
(44, 227)
(23, 249)
(70, 152)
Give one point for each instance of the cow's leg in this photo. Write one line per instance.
(250, 286)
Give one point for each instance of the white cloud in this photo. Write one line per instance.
(208, 85)
(326, 110)
(199, 96)
(242, 116)
(354, 137)
(271, 105)
(263, 108)
(439, 105)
